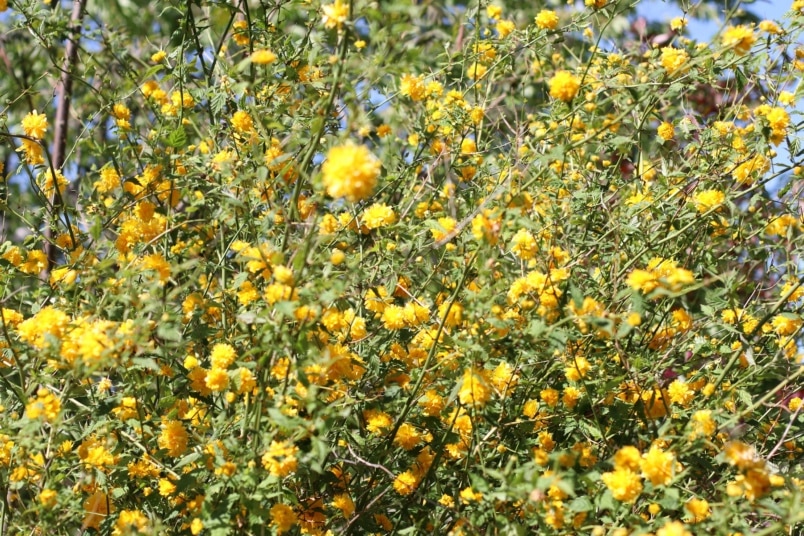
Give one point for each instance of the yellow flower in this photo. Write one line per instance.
(406, 483)
(158, 56)
(393, 317)
(447, 225)
(494, 12)
(486, 53)
(35, 125)
(476, 71)
(524, 245)
(549, 396)
(222, 355)
(335, 14)
(778, 120)
(345, 504)
(706, 200)
(739, 37)
(505, 28)
(666, 131)
(742, 455)
(240, 35)
(409, 437)
(680, 393)
(413, 87)
(48, 497)
(746, 172)
(109, 180)
(784, 325)
(166, 487)
(658, 466)
(564, 86)
(350, 171)
(703, 424)
(173, 438)
(547, 19)
(33, 152)
(673, 59)
(546, 441)
(196, 526)
(673, 528)
(474, 389)
(469, 495)
(446, 500)
(627, 457)
(217, 380)
(283, 517)
(698, 509)
(242, 122)
(579, 366)
(504, 378)
(46, 405)
(378, 215)
(377, 421)
(263, 57)
(770, 27)
(48, 322)
(48, 185)
(597, 4)
(787, 98)
(97, 507)
(432, 403)
(678, 23)
(660, 272)
(570, 396)
(531, 408)
(280, 458)
(158, 264)
(624, 484)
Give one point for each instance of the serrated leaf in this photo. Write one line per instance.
(671, 500)
(146, 362)
(147, 75)
(217, 103)
(169, 333)
(742, 81)
(177, 138)
(190, 458)
(607, 502)
(536, 328)
(581, 504)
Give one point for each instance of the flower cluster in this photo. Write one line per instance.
(334, 269)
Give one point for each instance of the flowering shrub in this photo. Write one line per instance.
(358, 267)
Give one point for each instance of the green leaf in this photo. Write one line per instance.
(146, 363)
(168, 332)
(177, 138)
(742, 81)
(607, 502)
(581, 504)
(670, 500)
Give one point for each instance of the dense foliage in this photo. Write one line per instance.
(329, 267)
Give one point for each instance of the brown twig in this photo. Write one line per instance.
(64, 92)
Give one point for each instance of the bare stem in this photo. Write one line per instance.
(64, 92)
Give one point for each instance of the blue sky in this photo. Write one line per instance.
(703, 30)
(700, 30)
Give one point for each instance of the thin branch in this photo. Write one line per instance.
(64, 92)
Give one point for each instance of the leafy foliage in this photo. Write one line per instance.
(403, 267)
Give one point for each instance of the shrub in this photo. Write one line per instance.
(412, 267)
